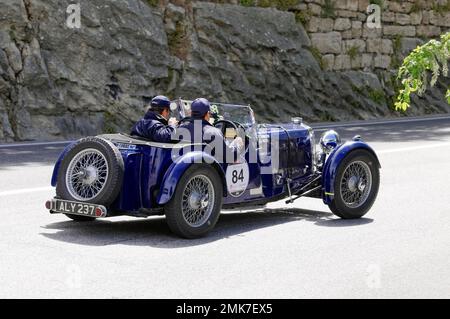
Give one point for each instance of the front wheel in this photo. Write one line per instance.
(356, 185)
(195, 206)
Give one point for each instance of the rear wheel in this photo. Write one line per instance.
(356, 185)
(195, 206)
(92, 172)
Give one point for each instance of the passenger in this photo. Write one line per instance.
(155, 125)
(201, 130)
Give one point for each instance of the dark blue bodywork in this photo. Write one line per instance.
(152, 170)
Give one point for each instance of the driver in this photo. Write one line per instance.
(200, 121)
(156, 125)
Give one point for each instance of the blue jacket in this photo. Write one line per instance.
(153, 127)
(209, 133)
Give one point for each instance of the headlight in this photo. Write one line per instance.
(329, 141)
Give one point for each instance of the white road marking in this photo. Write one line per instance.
(26, 191)
(412, 148)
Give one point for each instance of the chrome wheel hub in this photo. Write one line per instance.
(197, 201)
(352, 183)
(90, 175)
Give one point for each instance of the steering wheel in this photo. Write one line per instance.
(232, 123)
(235, 125)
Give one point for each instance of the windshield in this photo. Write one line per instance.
(242, 114)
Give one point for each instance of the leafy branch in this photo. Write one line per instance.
(432, 56)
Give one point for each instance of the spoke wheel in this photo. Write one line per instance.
(198, 200)
(87, 174)
(356, 184)
(195, 205)
(91, 171)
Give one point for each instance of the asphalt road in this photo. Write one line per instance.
(400, 249)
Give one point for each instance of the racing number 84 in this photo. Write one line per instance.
(235, 176)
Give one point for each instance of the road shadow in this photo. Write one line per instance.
(154, 231)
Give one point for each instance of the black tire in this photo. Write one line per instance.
(113, 183)
(173, 209)
(338, 206)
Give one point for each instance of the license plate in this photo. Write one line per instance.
(77, 208)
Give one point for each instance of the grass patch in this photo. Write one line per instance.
(265, 3)
(441, 8)
(286, 4)
(108, 120)
(353, 52)
(378, 96)
(378, 2)
(302, 17)
(417, 6)
(153, 3)
(177, 41)
(358, 90)
(324, 116)
(396, 47)
(328, 10)
(247, 3)
(318, 56)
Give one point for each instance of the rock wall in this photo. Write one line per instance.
(339, 31)
(57, 82)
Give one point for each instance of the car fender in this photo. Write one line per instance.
(177, 169)
(332, 164)
(58, 163)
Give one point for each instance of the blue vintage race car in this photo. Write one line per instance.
(117, 174)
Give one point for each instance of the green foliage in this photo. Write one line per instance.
(108, 123)
(358, 90)
(324, 116)
(328, 9)
(283, 5)
(378, 2)
(286, 4)
(265, 3)
(353, 52)
(303, 17)
(430, 57)
(396, 47)
(441, 8)
(153, 3)
(247, 3)
(378, 96)
(318, 56)
(177, 41)
(417, 6)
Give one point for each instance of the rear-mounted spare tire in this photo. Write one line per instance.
(92, 172)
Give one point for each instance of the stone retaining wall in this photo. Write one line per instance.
(340, 32)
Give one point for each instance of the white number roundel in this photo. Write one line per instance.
(237, 178)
